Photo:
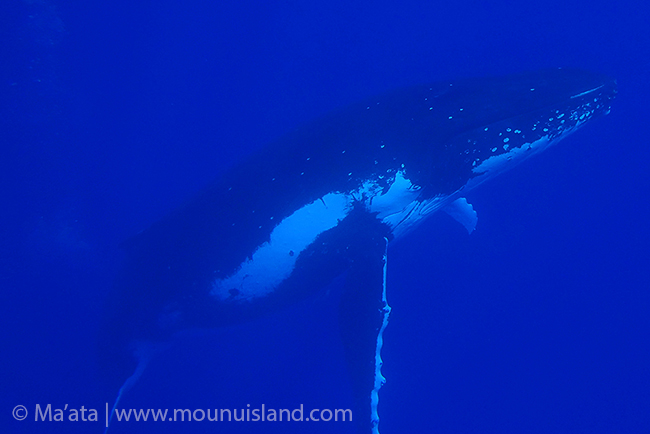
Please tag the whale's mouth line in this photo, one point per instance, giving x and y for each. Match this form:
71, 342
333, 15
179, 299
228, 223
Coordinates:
588, 91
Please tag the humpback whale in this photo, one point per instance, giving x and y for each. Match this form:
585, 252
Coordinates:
327, 199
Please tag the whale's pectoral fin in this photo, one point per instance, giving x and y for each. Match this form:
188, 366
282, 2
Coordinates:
363, 315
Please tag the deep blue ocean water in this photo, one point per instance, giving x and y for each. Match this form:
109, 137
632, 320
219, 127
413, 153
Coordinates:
112, 114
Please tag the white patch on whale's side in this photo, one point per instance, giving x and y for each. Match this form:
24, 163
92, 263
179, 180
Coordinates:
498, 163
401, 206
274, 260
556, 128
397, 204
391, 204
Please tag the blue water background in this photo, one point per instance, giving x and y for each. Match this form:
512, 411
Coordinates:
112, 114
